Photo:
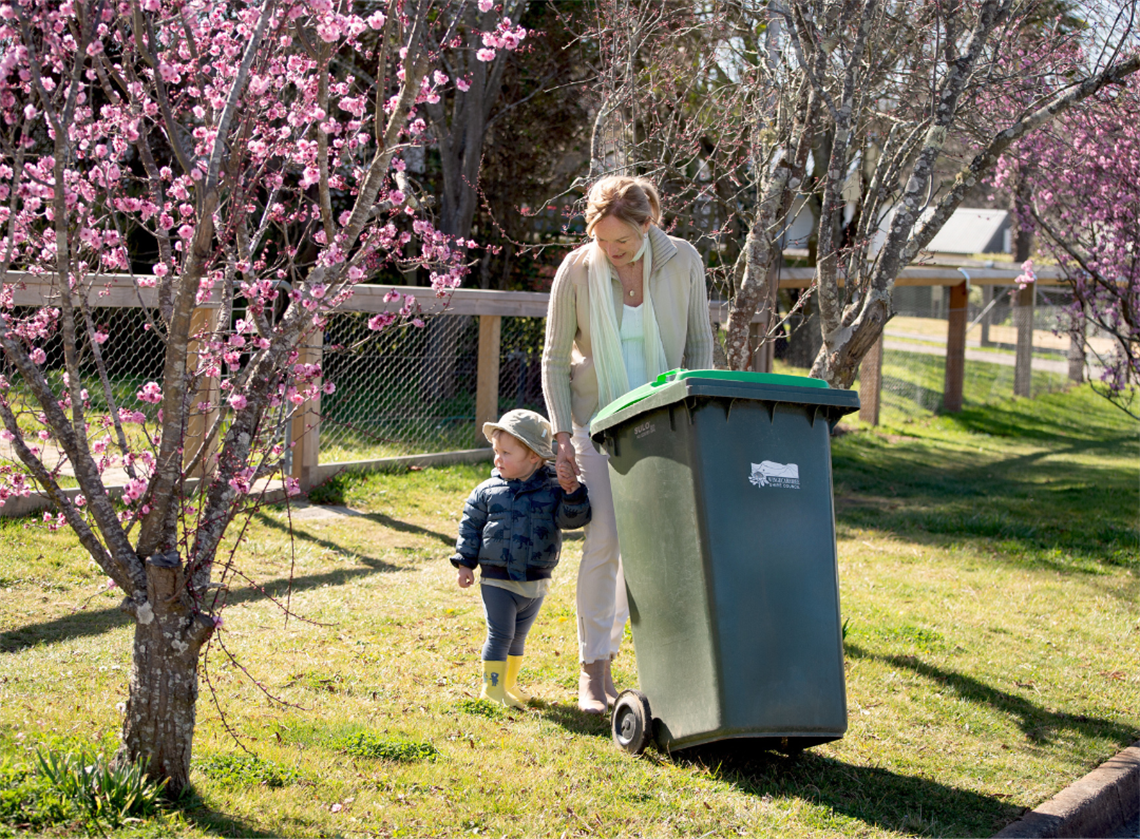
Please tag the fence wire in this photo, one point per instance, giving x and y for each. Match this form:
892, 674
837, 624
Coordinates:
914, 359
412, 390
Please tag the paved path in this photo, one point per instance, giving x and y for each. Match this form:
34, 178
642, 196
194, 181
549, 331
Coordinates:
931, 345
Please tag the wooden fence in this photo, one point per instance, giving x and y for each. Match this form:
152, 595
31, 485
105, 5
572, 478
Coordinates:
492, 306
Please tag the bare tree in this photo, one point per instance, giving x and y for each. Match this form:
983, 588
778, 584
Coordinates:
858, 102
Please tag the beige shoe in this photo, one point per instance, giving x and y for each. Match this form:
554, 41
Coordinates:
608, 684
591, 687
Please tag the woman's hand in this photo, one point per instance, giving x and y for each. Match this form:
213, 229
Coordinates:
565, 455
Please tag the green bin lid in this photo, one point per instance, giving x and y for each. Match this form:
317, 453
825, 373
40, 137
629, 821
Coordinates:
675, 385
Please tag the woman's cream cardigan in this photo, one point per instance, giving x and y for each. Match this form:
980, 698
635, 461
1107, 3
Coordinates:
680, 303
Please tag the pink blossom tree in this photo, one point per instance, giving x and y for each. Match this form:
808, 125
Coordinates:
256, 146
1083, 179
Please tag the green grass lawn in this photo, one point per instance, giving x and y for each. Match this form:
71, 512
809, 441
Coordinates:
989, 570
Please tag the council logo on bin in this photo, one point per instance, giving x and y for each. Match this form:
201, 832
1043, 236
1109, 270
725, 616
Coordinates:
768, 473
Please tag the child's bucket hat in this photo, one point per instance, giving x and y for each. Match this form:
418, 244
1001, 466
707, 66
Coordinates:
531, 429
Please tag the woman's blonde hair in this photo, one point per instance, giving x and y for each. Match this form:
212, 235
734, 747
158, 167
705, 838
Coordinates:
632, 200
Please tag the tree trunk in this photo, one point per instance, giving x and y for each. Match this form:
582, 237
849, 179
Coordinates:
158, 729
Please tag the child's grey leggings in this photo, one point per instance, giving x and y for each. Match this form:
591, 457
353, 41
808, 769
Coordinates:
509, 618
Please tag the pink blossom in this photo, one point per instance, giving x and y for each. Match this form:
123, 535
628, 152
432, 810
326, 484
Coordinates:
463, 84
485, 55
238, 402
486, 5
38, 356
151, 392
329, 388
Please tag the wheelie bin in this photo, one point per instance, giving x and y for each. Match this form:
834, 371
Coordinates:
723, 495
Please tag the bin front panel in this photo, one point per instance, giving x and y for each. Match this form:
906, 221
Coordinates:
665, 574
764, 473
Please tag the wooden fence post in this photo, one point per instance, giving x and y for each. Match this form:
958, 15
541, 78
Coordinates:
871, 382
1023, 359
1077, 352
956, 348
987, 298
203, 322
305, 429
487, 378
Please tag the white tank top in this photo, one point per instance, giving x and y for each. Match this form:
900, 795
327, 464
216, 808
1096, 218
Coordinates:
633, 345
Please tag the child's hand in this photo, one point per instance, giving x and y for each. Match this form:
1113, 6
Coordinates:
566, 477
466, 576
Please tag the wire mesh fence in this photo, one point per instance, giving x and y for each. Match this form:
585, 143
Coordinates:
412, 390
914, 358
408, 390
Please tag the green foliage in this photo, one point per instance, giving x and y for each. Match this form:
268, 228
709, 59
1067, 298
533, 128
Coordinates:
482, 708
330, 491
246, 770
28, 800
379, 747
105, 795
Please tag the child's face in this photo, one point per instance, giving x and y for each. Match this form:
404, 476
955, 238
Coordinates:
513, 459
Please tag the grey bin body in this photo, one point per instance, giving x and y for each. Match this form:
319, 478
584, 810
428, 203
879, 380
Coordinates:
730, 556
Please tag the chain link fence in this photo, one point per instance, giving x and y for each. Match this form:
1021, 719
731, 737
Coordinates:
412, 390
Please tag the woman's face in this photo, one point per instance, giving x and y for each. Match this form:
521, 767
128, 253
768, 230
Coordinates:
620, 240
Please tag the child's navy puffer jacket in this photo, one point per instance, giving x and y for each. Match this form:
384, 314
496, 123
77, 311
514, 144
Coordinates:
512, 529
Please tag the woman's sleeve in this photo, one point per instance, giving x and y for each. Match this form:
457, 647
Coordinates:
561, 327
698, 336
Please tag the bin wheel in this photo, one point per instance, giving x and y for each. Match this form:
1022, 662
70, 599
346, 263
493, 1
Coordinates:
632, 722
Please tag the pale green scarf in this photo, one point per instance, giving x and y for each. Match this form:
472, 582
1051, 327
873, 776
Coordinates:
604, 335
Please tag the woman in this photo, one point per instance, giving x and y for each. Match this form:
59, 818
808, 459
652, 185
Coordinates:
624, 308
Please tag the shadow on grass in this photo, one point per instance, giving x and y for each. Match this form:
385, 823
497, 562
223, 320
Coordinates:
377, 518
1036, 723
568, 717
87, 623
1063, 516
214, 823
902, 803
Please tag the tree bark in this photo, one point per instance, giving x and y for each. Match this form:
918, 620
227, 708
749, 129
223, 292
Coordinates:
158, 728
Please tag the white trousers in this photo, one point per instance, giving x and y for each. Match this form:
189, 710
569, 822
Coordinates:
602, 605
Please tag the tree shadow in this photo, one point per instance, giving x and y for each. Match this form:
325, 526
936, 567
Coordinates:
377, 518
894, 485
905, 804
197, 812
1036, 723
84, 624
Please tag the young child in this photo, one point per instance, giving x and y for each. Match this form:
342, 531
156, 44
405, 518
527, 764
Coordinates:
511, 530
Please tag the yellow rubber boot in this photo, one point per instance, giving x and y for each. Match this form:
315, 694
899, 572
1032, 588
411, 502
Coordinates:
514, 664
494, 685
